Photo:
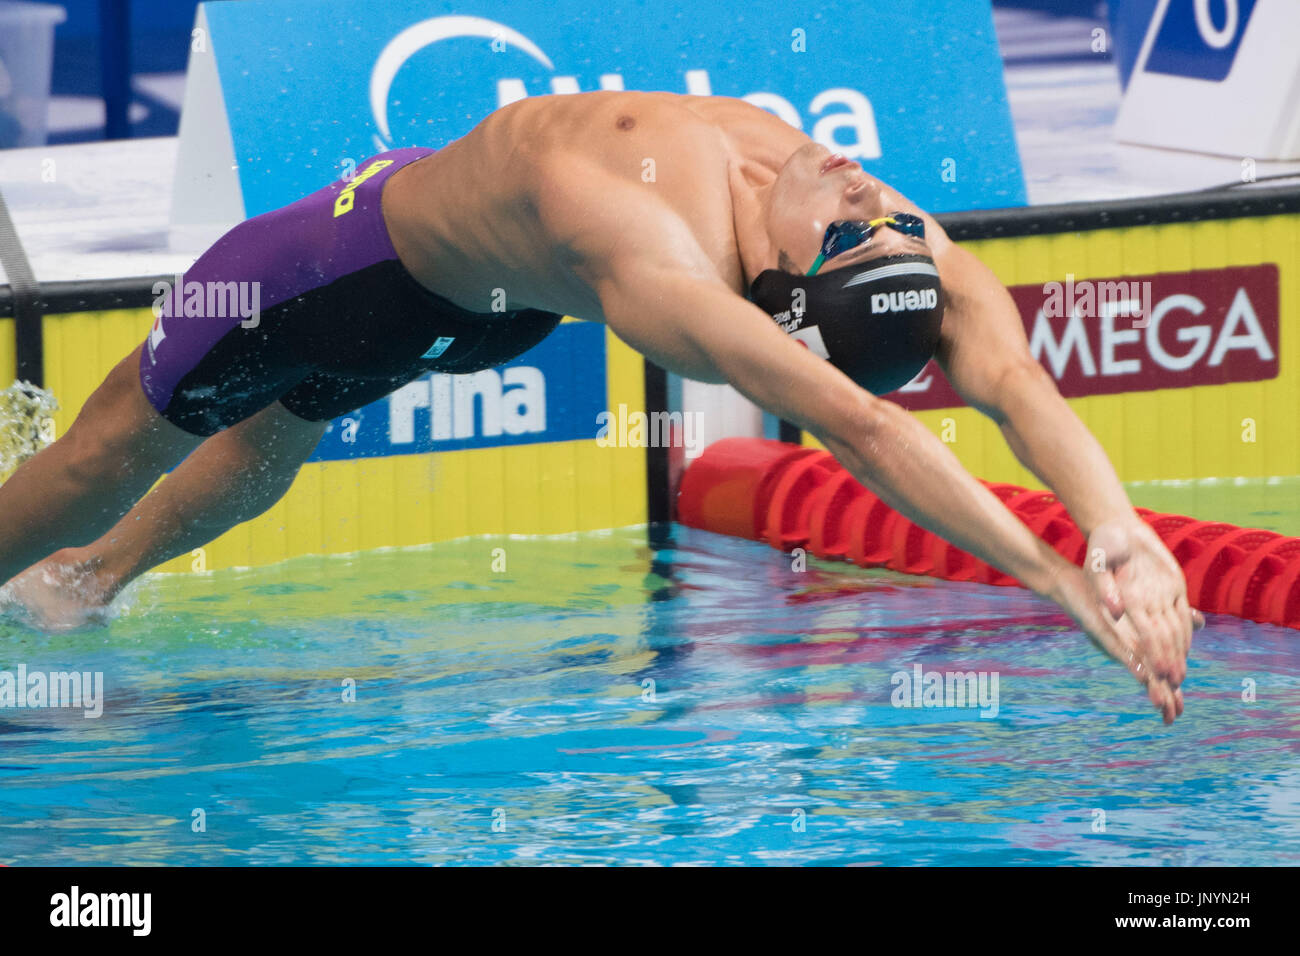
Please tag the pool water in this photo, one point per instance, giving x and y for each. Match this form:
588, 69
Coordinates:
1269, 503
599, 701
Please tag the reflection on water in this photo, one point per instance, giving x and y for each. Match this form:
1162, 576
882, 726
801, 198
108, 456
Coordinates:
602, 702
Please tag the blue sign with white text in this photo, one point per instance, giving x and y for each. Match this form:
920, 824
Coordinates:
553, 392
1195, 40
911, 88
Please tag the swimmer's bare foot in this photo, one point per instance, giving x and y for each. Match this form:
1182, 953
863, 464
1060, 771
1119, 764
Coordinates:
65, 592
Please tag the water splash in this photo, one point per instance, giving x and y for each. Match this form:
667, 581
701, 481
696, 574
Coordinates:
26, 424
58, 598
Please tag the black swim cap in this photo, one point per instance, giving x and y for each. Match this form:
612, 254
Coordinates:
878, 323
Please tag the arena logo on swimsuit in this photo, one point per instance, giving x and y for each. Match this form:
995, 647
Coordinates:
347, 197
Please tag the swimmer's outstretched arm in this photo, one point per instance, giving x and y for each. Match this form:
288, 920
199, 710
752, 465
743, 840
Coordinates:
694, 322
986, 357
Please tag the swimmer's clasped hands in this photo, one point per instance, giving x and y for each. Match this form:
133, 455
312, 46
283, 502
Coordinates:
1130, 598
1144, 589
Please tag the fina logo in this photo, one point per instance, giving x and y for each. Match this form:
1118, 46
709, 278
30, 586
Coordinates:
858, 119
488, 404
1192, 43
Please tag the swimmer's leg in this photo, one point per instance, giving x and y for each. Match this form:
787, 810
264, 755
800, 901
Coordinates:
77, 488
234, 476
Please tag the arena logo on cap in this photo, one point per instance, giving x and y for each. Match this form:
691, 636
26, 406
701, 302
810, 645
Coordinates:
1206, 327
909, 301
858, 117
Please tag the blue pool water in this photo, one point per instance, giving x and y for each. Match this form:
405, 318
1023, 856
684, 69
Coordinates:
601, 702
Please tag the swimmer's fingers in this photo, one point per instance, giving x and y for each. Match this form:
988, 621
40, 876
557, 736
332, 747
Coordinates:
1165, 697
1116, 637
1119, 639
1191, 621
1077, 596
1183, 622
1197, 620
1160, 637
1108, 591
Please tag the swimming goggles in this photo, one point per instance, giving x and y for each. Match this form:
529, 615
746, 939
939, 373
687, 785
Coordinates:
844, 234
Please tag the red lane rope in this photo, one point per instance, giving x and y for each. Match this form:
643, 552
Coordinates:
795, 497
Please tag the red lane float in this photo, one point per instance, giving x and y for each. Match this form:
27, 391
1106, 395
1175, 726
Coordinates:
795, 497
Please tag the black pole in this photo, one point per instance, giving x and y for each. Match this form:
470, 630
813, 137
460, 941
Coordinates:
658, 505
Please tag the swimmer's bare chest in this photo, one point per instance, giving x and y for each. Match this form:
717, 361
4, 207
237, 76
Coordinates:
477, 222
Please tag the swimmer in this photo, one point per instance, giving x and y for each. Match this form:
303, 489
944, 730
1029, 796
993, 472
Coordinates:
712, 237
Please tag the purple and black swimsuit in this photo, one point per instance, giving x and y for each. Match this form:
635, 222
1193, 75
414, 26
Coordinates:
340, 323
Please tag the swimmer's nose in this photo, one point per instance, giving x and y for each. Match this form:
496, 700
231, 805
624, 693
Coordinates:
863, 193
